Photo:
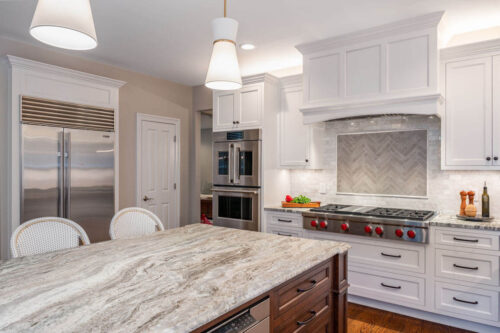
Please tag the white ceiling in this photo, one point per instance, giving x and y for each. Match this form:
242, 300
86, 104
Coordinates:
172, 38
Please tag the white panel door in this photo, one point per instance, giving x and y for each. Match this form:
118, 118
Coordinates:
249, 111
158, 163
469, 113
224, 110
294, 136
496, 110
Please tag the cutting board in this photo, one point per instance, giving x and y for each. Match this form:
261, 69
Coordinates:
312, 204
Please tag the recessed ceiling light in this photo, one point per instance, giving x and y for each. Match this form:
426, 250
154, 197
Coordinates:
247, 46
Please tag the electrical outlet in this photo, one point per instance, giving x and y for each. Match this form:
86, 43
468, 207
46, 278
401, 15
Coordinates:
322, 188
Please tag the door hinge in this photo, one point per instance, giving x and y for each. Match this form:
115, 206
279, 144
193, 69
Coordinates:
175, 138
175, 186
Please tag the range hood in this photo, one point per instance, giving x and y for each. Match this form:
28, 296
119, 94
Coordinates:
389, 69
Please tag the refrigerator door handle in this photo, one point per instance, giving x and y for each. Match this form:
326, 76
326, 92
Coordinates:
67, 175
60, 175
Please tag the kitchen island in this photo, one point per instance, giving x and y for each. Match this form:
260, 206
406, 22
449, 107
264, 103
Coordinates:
180, 280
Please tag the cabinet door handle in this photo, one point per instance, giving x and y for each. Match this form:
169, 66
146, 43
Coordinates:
313, 284
390, 255
468, 302
287, 221
488, 158
305, 322
388, 286
466, 240
465, 267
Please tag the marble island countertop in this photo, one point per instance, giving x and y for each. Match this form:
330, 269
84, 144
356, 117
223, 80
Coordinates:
172, 281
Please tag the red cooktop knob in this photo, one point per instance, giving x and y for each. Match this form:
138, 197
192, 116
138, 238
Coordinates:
344, 226
314, 223
368, 229
411, 233
379, 230
399, 233
323, 224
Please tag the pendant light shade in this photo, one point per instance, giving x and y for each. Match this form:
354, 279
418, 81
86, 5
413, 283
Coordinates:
67, 24
224, 70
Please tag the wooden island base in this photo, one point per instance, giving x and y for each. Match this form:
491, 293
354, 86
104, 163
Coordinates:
314, 301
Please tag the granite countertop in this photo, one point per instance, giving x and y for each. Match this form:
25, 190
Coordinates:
280, 209
448, 220
172, 281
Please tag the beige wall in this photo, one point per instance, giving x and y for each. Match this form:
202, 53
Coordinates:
142, 93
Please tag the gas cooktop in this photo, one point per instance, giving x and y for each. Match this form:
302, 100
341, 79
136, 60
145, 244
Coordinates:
378, 222
381, 212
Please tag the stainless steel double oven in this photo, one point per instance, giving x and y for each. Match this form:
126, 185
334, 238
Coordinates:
237, 179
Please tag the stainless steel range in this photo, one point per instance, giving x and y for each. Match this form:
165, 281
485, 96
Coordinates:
376, 222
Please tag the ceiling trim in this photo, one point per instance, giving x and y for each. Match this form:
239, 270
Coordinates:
264, 77
467, 50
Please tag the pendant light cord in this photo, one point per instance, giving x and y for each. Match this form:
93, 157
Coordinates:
225, 6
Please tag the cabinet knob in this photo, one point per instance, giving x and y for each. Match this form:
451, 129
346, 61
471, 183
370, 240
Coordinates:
237, 122
495, 158
234, 122
488, 158
307, 160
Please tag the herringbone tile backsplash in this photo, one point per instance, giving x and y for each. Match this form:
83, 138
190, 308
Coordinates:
393, 163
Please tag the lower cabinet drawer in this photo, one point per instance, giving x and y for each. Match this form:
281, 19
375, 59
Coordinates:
464, 266
290, 220
310, 315
281, 231
299, 290
398, 289
464, 302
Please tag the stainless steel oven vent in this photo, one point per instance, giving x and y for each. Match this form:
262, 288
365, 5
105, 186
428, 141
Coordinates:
39, 111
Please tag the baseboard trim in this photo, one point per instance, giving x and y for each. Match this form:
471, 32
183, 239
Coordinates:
434, 317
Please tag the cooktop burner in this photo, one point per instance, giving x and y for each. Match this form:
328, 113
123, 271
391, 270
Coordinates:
392, 213
328, 208
396, 213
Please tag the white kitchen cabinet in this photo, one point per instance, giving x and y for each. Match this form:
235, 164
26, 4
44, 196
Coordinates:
470, 128
468, 113
239, 109
300, 145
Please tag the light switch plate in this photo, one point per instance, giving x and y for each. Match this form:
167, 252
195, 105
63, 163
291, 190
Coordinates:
322, 188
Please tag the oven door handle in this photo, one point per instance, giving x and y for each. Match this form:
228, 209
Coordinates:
230, 166
236, 165
234, 191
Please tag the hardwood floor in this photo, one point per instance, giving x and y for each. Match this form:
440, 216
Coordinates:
362, 319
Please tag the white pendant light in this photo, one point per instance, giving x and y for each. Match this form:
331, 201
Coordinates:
224, 70
67, 24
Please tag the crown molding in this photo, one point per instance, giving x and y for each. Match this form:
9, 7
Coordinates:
257, 78
21, 63
291, 81
466, 50
404, 26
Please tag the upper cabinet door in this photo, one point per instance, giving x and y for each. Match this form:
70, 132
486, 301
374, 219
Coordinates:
496, 110
294, 136
250, 104
224, 110
468, 114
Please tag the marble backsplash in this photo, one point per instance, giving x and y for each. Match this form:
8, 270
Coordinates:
443, 187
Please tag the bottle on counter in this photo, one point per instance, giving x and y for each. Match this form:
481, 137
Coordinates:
485, 201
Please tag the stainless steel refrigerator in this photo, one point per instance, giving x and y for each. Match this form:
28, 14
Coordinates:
68, 173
